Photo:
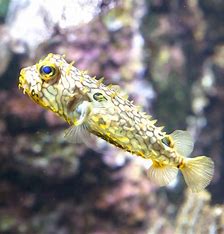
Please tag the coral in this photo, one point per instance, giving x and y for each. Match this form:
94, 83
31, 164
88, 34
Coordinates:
197, 215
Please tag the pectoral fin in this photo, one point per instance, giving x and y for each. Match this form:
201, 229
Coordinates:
78, 134
162, 174
83, 110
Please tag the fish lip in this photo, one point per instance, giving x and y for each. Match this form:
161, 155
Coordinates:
23, 85
27, 89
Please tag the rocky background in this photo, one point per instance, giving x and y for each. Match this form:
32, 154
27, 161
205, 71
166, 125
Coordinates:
169, 57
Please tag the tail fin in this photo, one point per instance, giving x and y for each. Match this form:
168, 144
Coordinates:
198, 172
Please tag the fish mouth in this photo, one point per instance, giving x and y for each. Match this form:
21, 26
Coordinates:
26, 88
23, 85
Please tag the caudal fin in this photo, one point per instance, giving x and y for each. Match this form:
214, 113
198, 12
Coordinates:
198, 172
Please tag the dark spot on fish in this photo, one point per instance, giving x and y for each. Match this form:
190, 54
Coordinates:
32, 92
99, 97
101, 121
166, 141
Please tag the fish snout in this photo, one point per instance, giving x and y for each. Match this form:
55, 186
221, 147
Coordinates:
23, 84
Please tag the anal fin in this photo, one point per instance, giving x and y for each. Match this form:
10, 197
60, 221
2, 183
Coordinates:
162, 174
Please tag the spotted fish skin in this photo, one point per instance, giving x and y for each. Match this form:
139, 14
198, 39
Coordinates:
124, 126
60, 87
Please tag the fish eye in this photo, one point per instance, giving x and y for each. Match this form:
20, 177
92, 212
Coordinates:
48, 72
167, 141
99, 97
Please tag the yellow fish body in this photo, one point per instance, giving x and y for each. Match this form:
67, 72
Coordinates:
91, 107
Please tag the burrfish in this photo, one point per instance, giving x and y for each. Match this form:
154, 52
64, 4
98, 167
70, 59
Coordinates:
91, 107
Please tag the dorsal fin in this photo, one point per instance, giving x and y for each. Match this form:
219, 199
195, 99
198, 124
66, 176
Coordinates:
183, 142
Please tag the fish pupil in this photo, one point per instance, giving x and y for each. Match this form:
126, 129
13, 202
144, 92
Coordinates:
47, 69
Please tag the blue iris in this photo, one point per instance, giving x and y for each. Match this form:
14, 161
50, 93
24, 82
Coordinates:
47, 69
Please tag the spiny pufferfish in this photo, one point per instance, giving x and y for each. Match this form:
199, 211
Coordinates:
89, 106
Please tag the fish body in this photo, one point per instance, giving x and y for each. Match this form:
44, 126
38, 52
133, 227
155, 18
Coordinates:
89, 106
